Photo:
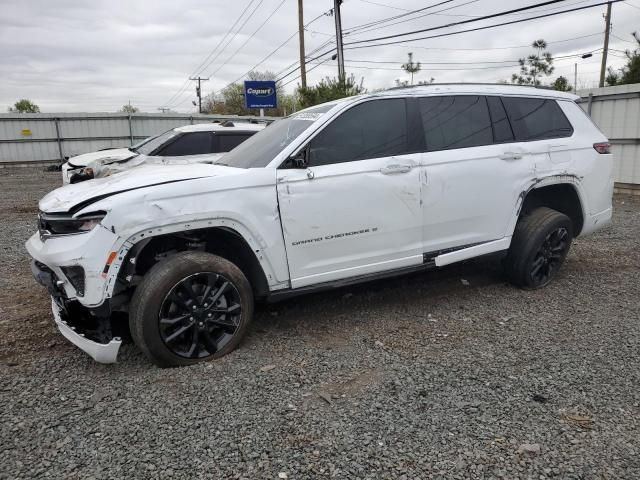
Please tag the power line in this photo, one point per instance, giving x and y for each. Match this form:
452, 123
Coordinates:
439, 12
360, 31
310, 70
459, 32
273, 52
511, 47
250, 37
430, 63
461, 22
197, 70
513, 64
235, 34
474, 29
459, 14
385, 20
622, 39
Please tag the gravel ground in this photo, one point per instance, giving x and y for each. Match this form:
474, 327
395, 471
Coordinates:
425, 376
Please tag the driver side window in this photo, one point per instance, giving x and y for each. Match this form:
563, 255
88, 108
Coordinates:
373, 129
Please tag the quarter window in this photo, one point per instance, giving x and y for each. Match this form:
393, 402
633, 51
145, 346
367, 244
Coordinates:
373, 129
536, 119
455, 122
195, 143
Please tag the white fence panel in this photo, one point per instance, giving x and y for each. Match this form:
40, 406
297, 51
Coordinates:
616, 111
39, 137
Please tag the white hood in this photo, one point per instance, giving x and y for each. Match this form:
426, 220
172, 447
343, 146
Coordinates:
65, 198
106, 156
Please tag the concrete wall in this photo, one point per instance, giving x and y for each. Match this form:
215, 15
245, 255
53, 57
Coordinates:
616, 111
43, 137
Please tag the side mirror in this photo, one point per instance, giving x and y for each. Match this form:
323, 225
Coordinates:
300, 160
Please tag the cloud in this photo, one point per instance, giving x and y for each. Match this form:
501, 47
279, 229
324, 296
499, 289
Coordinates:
74, 55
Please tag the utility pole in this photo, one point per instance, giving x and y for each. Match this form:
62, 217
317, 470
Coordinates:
199, 91
303, 65
603, 67
336, 16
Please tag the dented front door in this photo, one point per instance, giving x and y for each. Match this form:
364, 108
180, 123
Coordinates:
344, 218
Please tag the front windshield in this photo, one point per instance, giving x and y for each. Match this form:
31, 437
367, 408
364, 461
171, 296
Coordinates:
148, 147
263, 147
136, 146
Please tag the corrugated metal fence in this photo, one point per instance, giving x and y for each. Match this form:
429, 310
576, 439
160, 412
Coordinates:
42, 137
616, 110
51, 137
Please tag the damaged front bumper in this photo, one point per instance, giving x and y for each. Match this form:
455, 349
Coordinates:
79, 325
100, 352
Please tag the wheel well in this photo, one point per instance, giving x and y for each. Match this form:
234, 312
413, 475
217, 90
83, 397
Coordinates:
220, 241
562, 197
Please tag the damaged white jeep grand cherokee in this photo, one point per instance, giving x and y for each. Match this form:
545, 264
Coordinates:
356, 189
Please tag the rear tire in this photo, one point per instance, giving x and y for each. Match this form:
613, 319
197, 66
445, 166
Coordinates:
538, 248
190, 308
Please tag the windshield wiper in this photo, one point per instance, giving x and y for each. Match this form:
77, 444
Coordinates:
131, 149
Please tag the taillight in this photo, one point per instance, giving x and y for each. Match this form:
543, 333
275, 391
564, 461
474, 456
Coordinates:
604, 147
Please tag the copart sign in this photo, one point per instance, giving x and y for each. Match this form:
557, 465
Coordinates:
260, 94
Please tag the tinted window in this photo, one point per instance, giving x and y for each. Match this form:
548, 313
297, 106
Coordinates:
455, 122
265, 145
195, 143
501, 128
536, 118
227, 141
370, 130
153, 144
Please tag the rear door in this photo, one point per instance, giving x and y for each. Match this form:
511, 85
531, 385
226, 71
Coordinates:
356, 209
474, 171
540, 126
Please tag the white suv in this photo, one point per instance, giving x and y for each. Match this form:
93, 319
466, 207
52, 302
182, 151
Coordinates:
360, 188
200, 143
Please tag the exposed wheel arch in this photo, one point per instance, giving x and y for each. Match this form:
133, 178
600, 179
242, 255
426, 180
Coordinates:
562, 197
221, 241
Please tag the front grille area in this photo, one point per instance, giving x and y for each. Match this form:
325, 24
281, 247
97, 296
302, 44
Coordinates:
47, 278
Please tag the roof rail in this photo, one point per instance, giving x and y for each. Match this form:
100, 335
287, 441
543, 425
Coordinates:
469, 83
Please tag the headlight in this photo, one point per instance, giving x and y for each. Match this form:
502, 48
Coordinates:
64, 224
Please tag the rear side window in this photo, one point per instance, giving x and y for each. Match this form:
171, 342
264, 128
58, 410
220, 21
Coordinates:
455, 122
373, 129
536, 119
501, 128
194, 143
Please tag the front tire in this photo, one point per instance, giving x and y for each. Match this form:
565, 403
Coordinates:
192, 307
539, 246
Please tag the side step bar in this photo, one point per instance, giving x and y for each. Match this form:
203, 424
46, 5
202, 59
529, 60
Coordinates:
471, 252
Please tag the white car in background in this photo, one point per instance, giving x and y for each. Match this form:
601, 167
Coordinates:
189, 144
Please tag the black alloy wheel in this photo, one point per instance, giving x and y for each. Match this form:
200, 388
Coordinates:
191, 307
200, 315
550, 256
539, 246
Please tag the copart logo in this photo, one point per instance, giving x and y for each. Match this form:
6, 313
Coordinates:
260, 92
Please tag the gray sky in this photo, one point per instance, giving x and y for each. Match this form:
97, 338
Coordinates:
81, 55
